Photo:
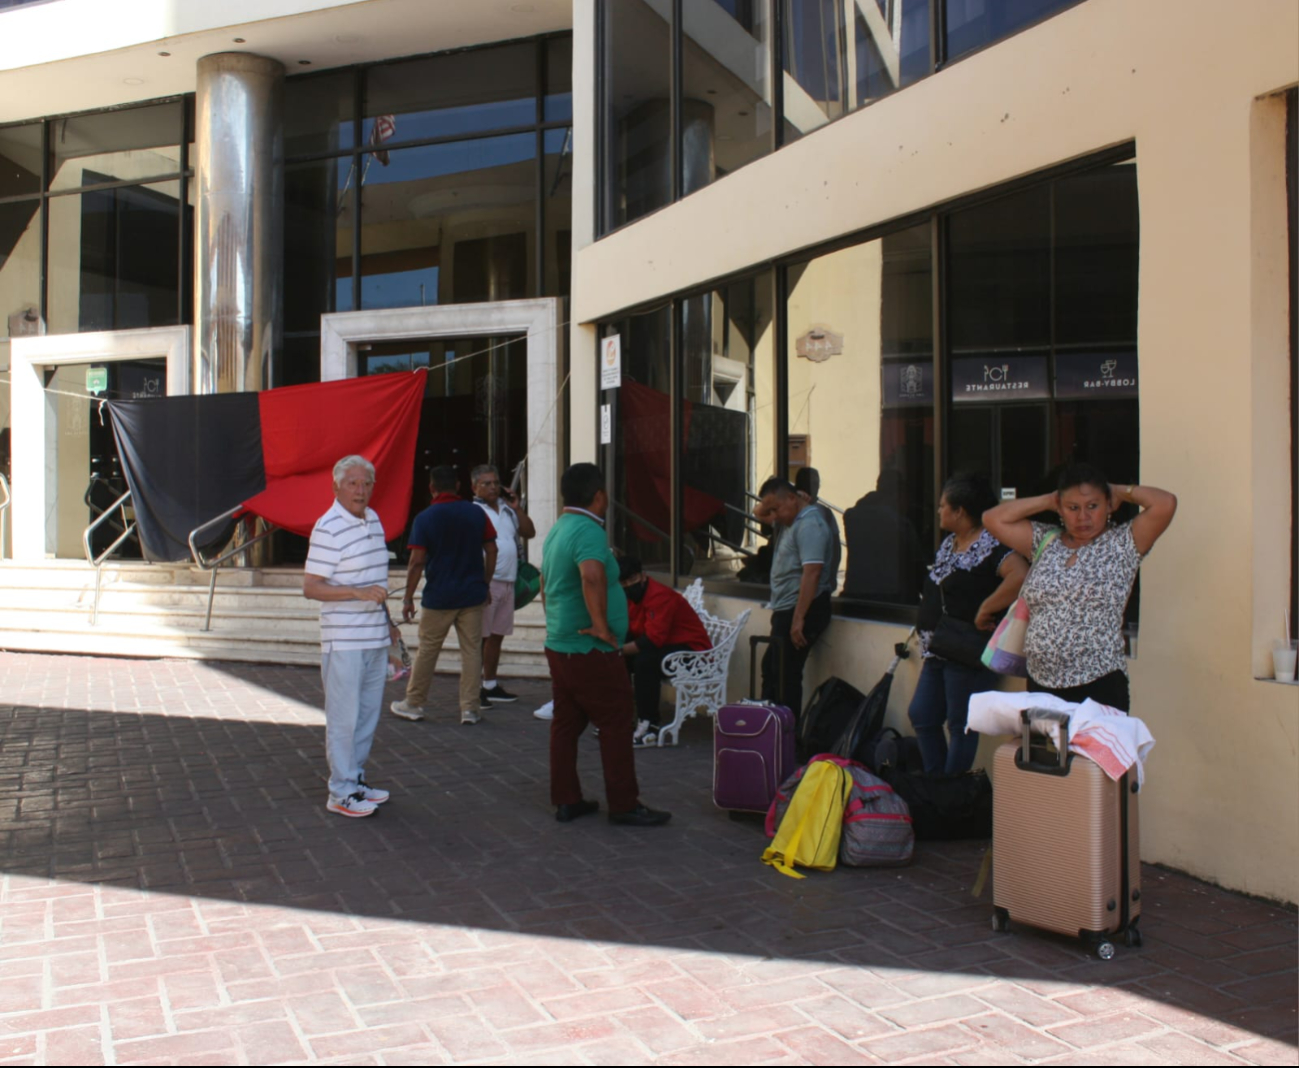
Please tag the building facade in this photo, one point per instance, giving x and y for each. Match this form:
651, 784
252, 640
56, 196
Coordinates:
886, 239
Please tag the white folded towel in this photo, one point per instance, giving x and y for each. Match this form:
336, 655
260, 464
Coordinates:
1114, 740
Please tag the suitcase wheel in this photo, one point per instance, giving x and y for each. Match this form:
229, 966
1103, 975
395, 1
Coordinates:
1132, 937
1105, 950
1000, 920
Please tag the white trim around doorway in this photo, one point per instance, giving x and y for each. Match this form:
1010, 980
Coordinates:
537, 320
34, 435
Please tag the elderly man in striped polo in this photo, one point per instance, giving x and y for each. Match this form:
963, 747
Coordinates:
347, 570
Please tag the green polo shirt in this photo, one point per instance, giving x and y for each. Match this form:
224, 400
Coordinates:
575, 538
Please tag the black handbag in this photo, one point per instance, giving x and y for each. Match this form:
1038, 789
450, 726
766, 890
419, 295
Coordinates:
943, 807
958, 640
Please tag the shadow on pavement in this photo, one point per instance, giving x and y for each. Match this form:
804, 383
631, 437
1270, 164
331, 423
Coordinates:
209, 782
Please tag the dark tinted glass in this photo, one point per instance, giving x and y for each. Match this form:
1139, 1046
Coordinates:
466, 92
815, 91
115, 259
999, 277
557, 200
637, 173
726, 110
20, 160
1096, 257
559, 79
974, 23
449, 223
112, 145
317, 241
20, 258
640, 513
318, 113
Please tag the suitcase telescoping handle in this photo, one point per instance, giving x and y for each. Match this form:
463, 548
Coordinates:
1029, 718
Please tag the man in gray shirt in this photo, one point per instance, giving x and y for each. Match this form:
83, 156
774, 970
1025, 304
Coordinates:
801, 583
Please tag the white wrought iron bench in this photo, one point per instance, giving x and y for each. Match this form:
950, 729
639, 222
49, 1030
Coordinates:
699, 678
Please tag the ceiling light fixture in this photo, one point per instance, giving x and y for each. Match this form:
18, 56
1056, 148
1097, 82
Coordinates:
132, 81
239, 40
164, 53
304, 63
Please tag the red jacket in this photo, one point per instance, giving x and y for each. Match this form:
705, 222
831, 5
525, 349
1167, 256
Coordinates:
664, 618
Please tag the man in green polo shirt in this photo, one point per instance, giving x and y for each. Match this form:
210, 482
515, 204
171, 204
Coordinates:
586, 623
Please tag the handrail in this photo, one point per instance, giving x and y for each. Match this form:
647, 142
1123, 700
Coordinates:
204, 564
97, 562
4, 508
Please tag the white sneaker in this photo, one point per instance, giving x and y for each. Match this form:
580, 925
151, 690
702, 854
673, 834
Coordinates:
355, 806
405, 711
546, 711
372, 793
469, 718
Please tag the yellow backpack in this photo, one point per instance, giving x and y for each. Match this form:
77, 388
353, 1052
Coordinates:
809, 832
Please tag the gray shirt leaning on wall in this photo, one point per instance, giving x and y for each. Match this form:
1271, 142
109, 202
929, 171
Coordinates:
807, 541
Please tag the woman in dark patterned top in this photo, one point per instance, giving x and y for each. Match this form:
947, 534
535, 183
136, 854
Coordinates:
1078, 588
973, 579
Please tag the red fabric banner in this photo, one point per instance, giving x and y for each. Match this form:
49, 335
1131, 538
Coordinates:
307, 429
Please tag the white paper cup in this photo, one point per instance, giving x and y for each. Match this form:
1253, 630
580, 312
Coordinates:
1284, 655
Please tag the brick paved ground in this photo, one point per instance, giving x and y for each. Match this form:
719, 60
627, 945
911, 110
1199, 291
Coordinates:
175, 892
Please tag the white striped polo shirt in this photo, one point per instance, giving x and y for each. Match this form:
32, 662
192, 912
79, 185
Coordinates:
349, 551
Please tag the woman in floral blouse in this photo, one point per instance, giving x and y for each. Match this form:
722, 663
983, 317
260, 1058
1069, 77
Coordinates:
972, 579
1078, 588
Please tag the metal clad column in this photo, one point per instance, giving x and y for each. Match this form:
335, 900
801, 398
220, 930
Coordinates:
239, 241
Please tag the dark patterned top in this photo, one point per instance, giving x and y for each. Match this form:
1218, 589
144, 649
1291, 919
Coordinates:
966, 578
1075, 622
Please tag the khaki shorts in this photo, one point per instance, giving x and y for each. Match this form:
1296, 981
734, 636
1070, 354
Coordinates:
498, 617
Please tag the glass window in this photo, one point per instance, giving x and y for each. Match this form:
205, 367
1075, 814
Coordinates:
114, 258
637, 112
860, 356
20, 160
814, 48
972, 24
110, 146
726, 107
20, 260
728, 427
449, 223
449, 95
317, 241
559, 79
318, 113
641, 455
557, 199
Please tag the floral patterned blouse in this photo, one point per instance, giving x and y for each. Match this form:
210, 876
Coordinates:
1075, 622
978, 563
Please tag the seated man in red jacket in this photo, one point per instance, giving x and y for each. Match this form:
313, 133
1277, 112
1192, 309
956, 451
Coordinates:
660, 622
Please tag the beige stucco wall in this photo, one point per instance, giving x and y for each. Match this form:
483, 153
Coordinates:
1187, 81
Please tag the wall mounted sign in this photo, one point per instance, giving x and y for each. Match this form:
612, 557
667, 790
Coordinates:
611, 362
819, 343
999, 378
606, 425
1095, 375
96, 379
907, 383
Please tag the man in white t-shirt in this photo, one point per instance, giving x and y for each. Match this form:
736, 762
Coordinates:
347, 570
512, 524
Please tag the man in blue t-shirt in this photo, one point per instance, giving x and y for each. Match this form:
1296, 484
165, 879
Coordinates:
802, 580
453, 543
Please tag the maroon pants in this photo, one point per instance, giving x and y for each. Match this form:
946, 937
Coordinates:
592, 688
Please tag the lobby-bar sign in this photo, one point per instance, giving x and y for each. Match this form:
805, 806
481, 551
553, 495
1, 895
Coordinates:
999, 378
1095, 375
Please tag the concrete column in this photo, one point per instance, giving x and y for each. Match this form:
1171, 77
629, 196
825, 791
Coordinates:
239, 240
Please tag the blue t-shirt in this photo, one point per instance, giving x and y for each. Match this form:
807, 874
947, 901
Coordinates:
452, 531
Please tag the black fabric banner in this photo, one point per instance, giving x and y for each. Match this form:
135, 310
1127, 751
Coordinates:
168, 447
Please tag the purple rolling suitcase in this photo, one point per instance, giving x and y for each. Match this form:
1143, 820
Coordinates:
753, 749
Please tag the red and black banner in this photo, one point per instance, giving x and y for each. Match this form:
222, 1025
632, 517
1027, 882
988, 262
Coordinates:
189, 459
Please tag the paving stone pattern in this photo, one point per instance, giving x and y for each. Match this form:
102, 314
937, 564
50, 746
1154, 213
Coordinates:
174, 892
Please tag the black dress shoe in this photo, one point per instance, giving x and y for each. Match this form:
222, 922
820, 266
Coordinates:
568, 813
640, 816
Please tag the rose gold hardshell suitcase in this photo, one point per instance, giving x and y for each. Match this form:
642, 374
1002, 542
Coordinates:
1065, 842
